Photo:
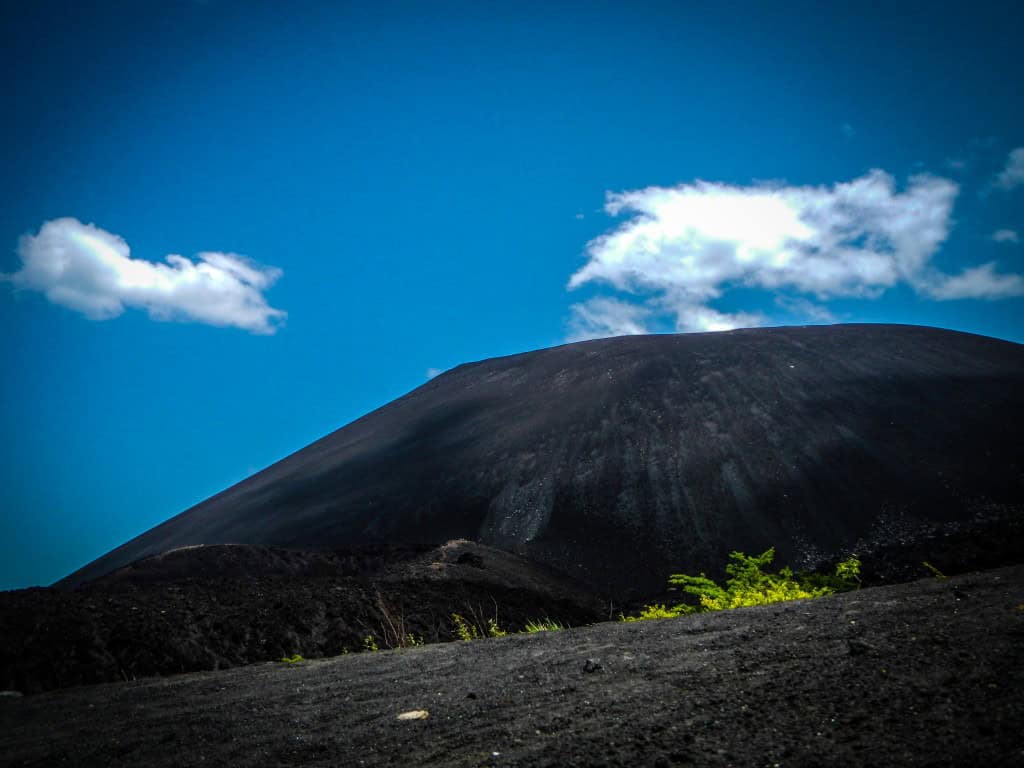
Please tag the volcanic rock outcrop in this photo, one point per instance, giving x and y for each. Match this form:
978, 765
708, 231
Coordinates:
619, 460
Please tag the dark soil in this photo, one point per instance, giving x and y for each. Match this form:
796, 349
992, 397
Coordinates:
929, 673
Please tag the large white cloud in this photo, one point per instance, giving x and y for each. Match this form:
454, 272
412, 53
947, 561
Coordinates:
684, 247
90, 270
1013, 174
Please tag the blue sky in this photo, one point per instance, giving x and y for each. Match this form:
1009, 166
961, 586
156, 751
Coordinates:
355, 196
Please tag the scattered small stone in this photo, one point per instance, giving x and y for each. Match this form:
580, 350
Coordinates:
414, 714
11, 694
471, 695
592, 665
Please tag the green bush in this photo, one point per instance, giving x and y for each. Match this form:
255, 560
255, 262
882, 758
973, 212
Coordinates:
750, 584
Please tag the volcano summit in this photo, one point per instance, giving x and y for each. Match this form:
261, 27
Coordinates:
619, 460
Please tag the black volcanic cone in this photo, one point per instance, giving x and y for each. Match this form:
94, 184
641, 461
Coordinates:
619, 460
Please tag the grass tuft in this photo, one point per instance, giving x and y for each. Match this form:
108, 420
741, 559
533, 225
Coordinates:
543, 625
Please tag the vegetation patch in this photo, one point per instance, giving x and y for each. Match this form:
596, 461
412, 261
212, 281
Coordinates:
750, 584
464, 629
544, 625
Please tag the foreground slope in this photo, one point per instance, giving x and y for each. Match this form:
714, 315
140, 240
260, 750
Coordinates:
618, 460
923, 674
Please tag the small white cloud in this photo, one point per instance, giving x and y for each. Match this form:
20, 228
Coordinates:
977, 283
433, 373
601, 317
1013, 174
1006, 236
580, 217
90, 270
699, 318
804, 310
848, 130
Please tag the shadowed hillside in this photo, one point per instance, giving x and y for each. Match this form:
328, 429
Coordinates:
204, 608
619, 460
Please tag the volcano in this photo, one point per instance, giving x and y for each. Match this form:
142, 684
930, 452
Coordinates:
618, 461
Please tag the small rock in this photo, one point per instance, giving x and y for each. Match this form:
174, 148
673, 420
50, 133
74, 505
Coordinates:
471, 695
592, 665
11, 694
414, 714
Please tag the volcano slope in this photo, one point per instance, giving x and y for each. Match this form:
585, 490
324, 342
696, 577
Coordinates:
921, 674
621, 460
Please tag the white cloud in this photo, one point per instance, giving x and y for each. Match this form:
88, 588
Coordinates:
1005, 236
1013, 174
600, 317
848, 130
692, 316
805, 310
683, 247
433, 373
978, 283
90, 270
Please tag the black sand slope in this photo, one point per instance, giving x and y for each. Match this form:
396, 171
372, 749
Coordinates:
922, 674
620, 460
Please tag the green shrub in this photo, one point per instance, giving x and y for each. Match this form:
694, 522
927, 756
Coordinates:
750, 584
370, 643
848, 570
464, 629
494, 630
292, 659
